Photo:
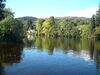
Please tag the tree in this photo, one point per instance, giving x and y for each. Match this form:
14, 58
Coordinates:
98, 17
75, 21
75, 32
83, 30
11, 29
81, 22
52, 20
29, 24
97, 31
7, 12
62, 26
39, 24
54, 31
2, 6
67, 29
92, 25
48, 25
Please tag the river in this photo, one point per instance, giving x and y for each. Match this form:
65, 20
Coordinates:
50, 56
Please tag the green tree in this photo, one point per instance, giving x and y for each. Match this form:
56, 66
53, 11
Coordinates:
67, 29
97, 31
2, 6
7, 12
81, 22
52, 20
83, 30
75, 21
29, 23
48, 25
98, 17
39, 24
92, 25
11, 29
62, 26
75, 32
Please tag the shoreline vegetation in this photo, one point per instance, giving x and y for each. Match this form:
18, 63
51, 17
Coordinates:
12, 29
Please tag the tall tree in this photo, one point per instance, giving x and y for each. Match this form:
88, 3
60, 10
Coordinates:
39, 24
92, 24
29, 23
52, 20
2, 6
98, 17
48, 25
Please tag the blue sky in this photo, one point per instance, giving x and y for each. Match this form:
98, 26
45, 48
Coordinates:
46, 8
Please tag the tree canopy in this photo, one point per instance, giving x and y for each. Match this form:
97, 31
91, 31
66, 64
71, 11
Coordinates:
2, 6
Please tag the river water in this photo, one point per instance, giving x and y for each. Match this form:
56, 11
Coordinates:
50, 56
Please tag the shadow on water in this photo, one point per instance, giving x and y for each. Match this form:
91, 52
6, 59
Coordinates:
9, 54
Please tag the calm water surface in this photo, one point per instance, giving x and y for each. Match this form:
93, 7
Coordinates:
50, 56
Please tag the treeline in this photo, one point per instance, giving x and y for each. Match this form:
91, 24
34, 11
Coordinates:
11, 29
66, 28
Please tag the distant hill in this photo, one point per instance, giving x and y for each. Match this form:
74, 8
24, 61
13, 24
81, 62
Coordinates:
24, 19
73, 17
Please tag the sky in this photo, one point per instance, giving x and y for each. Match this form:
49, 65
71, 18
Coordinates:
56, 8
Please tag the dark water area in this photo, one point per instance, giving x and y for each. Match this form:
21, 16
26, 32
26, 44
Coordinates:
50, 56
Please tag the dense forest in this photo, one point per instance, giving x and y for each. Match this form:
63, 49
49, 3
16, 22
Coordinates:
12, 29
77, 28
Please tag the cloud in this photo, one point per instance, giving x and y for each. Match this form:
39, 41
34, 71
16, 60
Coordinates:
88, 12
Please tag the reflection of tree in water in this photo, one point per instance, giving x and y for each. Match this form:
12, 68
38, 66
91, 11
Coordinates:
97, 54
51, 44
2, 70
94, 50
97, 59
29, 43
9, 54
45, 43
92, 47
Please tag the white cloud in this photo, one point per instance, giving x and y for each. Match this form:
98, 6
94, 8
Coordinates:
88, 12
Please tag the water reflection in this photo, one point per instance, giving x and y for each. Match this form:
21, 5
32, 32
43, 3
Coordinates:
2, 70
9, 54
85, 49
